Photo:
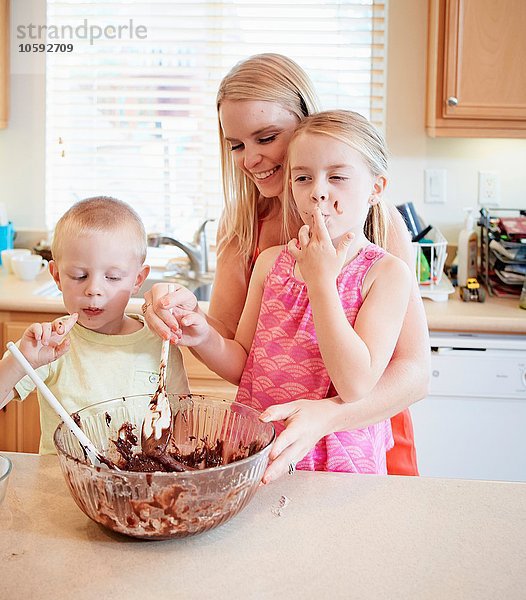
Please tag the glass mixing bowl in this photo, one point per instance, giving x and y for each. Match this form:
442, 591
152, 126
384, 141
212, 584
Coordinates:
166, 505
5, 470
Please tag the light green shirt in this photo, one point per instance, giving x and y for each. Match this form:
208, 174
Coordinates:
100, 367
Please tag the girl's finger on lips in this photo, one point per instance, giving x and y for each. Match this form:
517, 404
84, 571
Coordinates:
303, 236
321, 227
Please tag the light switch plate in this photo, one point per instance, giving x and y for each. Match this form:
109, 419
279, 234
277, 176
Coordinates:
435, 181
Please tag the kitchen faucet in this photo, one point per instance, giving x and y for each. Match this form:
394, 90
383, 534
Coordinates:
197, 250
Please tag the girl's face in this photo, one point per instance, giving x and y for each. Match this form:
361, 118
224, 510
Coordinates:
258, 133
328, 173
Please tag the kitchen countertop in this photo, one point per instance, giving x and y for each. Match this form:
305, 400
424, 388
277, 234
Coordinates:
496, 315
341, 536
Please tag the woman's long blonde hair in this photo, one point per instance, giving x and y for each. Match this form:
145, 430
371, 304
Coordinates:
269, 78
352, 129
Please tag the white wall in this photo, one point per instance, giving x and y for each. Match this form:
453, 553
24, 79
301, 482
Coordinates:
412, 150
22, 144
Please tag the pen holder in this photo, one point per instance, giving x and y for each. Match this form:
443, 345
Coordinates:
7, 237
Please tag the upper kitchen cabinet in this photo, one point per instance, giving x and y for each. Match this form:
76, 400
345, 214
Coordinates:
4, 63
476, 71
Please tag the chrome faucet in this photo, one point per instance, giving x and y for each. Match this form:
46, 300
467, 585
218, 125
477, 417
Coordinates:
197, 250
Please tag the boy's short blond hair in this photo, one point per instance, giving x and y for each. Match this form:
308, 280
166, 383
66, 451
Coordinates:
100, 213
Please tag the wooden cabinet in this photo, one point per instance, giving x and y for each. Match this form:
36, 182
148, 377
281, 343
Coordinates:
204, 381
476, 68
20, 421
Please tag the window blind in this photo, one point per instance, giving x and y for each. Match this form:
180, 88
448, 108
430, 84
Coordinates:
136, 118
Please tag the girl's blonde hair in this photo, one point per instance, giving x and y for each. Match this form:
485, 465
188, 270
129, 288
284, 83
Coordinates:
360, 134
100, 213
263, 77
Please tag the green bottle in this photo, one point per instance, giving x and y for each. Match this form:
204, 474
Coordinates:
424, 273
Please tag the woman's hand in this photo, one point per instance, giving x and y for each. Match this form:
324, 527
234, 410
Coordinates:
314, 251
163, 311
306, 422
42, 343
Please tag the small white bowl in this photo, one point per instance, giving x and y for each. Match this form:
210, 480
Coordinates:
5, 470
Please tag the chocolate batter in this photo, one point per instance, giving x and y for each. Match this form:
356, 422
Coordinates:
204, 456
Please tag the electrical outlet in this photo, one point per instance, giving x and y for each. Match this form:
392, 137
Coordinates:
489, 188
435, 186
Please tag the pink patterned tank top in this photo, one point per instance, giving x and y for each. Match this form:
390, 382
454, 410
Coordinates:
285, 363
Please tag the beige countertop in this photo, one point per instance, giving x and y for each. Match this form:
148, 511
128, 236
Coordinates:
341, 536
496, 315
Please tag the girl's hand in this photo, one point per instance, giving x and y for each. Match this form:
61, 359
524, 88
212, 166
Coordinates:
43, 343
317, 258
306, 422
194, 329
162, 311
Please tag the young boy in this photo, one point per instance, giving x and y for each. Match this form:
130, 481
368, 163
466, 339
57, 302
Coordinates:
99, 248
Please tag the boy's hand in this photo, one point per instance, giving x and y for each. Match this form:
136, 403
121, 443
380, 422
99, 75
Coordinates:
317, 258
43, 343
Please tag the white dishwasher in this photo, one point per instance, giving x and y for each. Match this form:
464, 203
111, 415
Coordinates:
473, 423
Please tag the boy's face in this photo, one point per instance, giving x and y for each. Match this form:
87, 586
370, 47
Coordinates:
97, 273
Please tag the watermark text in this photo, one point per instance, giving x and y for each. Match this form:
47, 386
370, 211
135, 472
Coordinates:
84, 31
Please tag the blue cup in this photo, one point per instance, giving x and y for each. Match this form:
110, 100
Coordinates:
7, 237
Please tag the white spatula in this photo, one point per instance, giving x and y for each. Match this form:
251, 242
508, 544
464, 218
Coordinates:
157, 424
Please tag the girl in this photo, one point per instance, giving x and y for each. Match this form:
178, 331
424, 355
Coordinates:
260, 103
324, 313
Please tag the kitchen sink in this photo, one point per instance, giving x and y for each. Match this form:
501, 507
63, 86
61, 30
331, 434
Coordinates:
201, 284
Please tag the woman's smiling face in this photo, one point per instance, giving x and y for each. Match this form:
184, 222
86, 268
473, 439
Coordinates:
258, 134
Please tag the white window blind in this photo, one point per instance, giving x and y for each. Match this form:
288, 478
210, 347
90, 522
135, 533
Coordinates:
136, 118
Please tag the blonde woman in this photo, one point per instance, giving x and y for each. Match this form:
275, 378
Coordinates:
260, 103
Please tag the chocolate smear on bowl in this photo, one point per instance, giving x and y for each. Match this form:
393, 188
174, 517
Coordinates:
205, 455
